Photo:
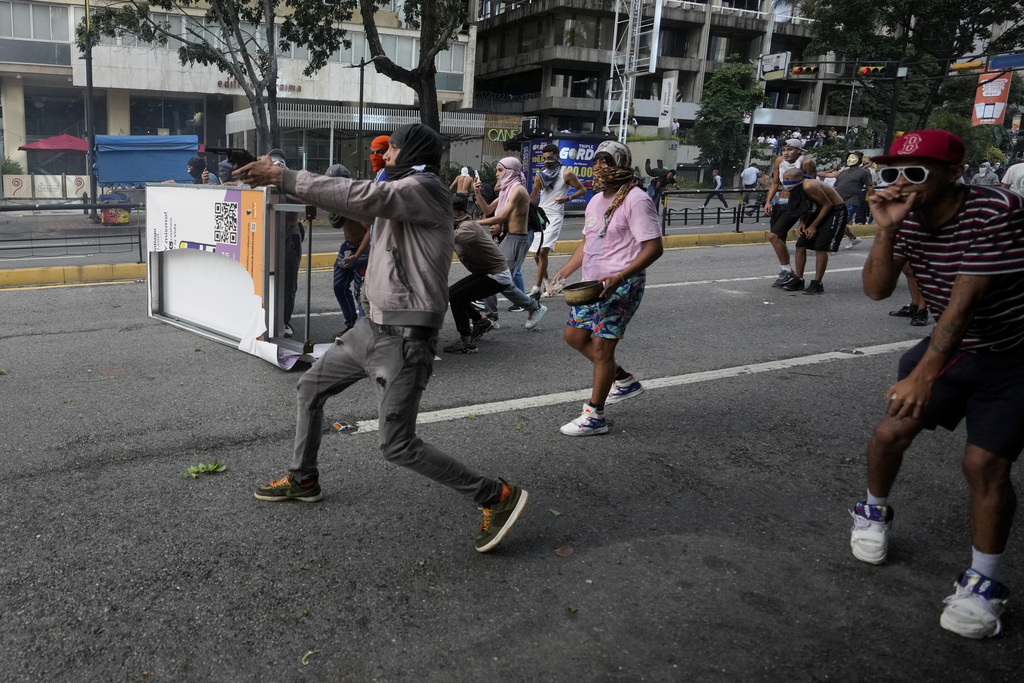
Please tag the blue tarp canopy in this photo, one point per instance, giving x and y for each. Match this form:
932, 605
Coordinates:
134, 160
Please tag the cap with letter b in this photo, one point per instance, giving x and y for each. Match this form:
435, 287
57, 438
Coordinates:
931, 145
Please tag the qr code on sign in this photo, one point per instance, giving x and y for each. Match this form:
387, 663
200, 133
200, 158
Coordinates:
225, 222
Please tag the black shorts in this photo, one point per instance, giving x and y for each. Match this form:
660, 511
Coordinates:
830, 231
986, 388
781, 222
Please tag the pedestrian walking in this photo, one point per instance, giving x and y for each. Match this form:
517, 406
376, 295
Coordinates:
621, 238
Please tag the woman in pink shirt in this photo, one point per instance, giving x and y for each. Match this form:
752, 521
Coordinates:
621, 237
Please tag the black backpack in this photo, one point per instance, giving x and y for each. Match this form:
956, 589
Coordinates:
537, 219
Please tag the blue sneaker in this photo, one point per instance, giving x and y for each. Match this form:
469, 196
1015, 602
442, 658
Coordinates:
785, 277
869, 539
623, 389
589, 423
973, 611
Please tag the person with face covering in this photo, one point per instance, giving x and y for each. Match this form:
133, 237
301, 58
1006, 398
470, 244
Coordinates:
985, 176
621, 238
378, 148
394, 346
511, 209
350, 266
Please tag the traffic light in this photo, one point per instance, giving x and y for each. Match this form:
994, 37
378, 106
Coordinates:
871, 71
967, 66
803, 70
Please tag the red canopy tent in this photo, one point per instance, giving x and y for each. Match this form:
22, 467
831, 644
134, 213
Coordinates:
60, 143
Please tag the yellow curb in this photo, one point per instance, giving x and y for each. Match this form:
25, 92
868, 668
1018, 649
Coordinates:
59, 275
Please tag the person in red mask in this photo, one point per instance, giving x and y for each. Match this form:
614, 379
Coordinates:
377, 149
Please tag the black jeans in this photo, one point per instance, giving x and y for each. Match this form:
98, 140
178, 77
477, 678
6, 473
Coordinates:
463, 293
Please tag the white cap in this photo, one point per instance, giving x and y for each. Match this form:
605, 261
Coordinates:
794, 142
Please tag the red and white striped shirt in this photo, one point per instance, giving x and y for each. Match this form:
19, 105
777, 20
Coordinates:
987, 239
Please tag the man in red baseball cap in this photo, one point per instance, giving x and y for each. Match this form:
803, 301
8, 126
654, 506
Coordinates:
965, 245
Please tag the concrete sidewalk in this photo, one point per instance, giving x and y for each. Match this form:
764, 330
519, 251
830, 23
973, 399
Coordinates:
62, 275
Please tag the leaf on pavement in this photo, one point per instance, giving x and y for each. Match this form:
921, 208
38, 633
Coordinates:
564, 551
305, 657
471, 416
554, 512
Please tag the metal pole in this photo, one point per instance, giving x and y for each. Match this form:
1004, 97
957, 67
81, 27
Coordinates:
90, 114
890, 129
362, 63
849, 112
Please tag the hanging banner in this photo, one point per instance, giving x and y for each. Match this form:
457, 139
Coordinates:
990, 101
668, 98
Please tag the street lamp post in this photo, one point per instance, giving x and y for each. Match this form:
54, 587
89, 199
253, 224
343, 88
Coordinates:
90, 114
362, 65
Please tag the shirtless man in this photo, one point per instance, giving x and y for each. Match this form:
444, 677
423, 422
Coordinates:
825, 231
550, 187
781, 220
511, 212
463, 183
353, 255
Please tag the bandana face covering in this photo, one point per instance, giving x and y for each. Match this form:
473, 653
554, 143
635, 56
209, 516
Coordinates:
420, 146
619, 177
552, 164
790, 184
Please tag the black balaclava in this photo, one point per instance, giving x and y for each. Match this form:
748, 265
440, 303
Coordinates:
420, 145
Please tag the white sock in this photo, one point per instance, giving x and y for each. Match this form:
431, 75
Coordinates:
874, 500
986, 564
788, 267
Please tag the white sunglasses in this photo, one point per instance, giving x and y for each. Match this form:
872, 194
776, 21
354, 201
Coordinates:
913, 174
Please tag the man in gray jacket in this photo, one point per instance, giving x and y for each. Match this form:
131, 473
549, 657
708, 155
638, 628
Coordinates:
407, 286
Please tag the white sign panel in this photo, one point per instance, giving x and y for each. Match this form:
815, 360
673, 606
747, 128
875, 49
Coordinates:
668, 98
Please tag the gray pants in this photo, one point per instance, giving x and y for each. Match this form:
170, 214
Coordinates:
399, 369
514, 248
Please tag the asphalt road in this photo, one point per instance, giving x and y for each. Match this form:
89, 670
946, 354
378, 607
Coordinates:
709, 530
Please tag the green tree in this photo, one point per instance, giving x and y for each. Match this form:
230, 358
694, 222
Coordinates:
719, 131
241, 38
439, 22
926, 34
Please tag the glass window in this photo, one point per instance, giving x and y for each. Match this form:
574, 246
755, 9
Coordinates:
458, 51
6, 28
586, 32
59, 24
443, 61
22, 20
403, 57
717, 49
174, 28
358, 47
300, 52
40, 22
389, 45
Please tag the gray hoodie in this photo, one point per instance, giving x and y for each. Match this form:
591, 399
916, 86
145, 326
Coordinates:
412, 244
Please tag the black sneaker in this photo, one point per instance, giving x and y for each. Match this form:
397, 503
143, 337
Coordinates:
920, 318
499, 518
515, 308
286, 489
461, 346
908, 311
795, 284
814, 288
480, 327
785, 277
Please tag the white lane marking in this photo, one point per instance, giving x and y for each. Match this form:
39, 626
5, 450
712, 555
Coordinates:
463, 412
740, 279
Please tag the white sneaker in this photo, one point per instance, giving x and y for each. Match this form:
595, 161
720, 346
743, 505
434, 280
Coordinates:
973, 611
535, 317
623, 389
534, 292
854, 242
589, 423
869, 539
288, 330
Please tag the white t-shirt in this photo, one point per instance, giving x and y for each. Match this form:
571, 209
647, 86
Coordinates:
1014, 177
749, 175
